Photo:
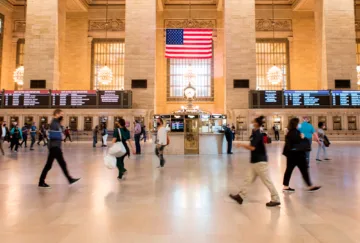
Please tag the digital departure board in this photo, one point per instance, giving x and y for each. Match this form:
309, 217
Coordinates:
73, 99
343, 98
303, 99
110, 99
23, 99
270, 99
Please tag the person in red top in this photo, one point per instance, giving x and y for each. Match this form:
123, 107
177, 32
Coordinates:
67, 134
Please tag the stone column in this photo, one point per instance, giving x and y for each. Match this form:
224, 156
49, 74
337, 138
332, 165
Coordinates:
45, 38
335, 36
240, 53
140, 56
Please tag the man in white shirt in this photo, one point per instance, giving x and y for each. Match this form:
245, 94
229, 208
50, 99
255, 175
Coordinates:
162, 140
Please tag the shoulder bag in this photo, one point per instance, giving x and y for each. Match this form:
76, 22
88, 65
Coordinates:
118, 149
326, 141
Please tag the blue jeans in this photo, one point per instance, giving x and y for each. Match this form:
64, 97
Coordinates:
308, 154
137, 143
33, 139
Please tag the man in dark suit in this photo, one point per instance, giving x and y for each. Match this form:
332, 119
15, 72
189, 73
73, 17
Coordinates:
229, 138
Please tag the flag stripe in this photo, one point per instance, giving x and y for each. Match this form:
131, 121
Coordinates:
188, 43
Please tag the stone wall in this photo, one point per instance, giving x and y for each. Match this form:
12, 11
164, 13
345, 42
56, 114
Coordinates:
76, 65
8, 63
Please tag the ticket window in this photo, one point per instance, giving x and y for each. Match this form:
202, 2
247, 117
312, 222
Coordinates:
73, 123
323, 120
29, 120
336, 123
88, 123
103, 121
352, 123
43, 120
116, 120
241, 124
14, 120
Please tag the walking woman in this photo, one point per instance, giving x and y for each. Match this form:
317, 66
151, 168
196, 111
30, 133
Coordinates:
95, 136
104, 135
16, 135
321, 135
162, 140
295, 157
122, 134
258, 167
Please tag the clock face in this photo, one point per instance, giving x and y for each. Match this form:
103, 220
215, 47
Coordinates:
189, 92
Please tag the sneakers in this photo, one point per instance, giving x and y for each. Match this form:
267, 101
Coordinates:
73, 181
289, 190
314, 188
237, 198
327, 159
318, 160
44, 185
273, 204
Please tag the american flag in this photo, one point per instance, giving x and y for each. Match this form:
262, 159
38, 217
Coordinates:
188, 43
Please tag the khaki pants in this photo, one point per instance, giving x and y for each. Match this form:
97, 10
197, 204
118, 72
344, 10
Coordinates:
260, 169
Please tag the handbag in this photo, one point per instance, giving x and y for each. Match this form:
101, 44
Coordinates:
326, 141
110, 161
118, 149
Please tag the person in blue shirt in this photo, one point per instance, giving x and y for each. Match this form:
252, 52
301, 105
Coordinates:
309, 132
33, 131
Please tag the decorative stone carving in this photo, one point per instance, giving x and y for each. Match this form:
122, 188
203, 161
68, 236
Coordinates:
190, 23
19, 26
113, 25
280, 25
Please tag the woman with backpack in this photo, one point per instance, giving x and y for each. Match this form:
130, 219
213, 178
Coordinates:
296, 146
323, 140
122, 134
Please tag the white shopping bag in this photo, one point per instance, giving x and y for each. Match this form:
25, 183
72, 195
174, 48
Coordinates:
118, 149
110, 161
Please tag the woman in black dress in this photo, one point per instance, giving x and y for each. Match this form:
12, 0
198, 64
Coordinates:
295, 157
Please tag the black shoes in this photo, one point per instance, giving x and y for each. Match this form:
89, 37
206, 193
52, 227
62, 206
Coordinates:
230, 153
73, 180
237, 198
318, 160
289, 190
314, 188
273, 204
44, 185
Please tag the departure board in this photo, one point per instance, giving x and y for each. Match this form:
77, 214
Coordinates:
270, 99
26, 99
73, 99
110, 99
343, 98
303, 99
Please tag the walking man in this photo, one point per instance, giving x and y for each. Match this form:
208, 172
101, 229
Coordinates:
67, 134
137, 131
162, 140
229, 138
24, 131
55, 152
33, 130
276, 133
309, 132
16, 135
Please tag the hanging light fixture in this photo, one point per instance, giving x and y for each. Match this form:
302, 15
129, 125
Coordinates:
18, 75
105, 74
274, 74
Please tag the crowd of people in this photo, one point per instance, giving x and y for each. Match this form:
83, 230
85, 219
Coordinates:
297, 148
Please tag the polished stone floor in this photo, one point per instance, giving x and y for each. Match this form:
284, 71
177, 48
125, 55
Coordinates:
185, 202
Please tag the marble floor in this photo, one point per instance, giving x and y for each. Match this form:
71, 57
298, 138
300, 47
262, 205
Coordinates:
185, 202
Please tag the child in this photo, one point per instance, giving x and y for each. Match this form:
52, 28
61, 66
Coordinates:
258, 167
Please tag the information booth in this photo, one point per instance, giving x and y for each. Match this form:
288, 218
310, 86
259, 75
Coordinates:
337, 123
73, 123
352, 123
88, 123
